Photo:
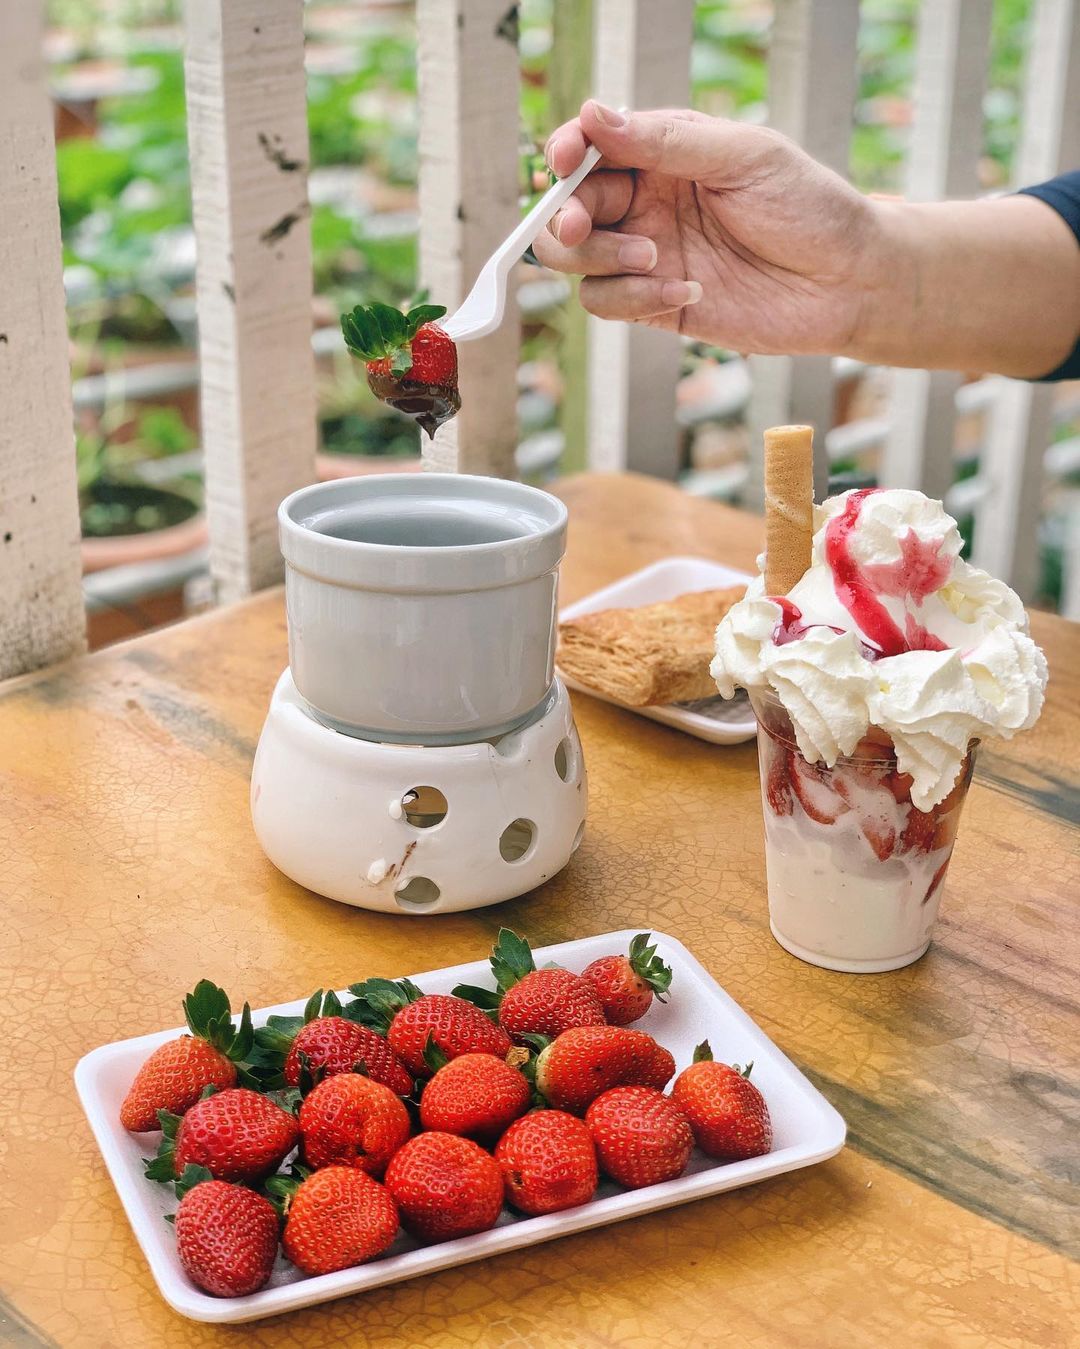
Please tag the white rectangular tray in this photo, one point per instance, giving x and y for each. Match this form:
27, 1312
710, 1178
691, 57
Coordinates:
727, 723
807, 1129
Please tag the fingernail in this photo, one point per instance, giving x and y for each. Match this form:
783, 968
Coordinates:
639, 255
556, 224
549, 150
678, 293
609, 116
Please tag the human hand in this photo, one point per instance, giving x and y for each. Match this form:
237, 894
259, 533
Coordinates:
725, 232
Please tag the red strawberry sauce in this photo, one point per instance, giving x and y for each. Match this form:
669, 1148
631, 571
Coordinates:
917, 572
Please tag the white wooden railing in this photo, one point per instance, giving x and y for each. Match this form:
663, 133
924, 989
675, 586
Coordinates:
248, 152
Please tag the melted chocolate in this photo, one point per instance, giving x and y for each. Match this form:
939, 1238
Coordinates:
427, 404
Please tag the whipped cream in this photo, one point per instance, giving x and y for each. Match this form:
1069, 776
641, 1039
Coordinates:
888, 627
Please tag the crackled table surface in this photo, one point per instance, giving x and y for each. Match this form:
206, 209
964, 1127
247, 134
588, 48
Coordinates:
128, 870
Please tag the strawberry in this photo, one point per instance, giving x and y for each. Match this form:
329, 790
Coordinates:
919, 830
641, 1136
778, 783
175, 1075
326, 1042
531, 1001
349, 1120
445, 1186
335, 1218
411, 362
548, 1162
237, 1134
625, 984
587, 1060
412, 1018
726, 1111
477, 1095
812, 784
226, 1236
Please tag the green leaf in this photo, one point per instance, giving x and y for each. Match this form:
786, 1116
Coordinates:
331, 1004
313, 1006
647, 964
511, 959
536, 1041
362, 335
205, 1006
359, 1011
243, 1037
487, 999
392, 325
421, 314
211, 1089
192, 1175
382, 999
169, 1123
401, 362
703, 1053
433, 1055
744, 1072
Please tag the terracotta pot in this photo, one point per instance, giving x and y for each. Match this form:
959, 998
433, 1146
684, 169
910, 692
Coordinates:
123, 549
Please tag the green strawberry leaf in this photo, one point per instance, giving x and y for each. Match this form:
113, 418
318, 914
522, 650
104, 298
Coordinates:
193, 1175
331, 1004
169, 1123
313, 1006
536, 1041
433, 1055
310, 1077
744, 1072
206, 1005
703, 1053
511, 959
383, 999
364, 1015
421, 314
487, 999
288, 1098
243, 1037
392, 324
162, 1166
645, 962
211, 1089
401, 362
362, 334
170, 1218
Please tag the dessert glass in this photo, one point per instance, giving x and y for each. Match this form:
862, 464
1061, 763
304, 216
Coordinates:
855, 872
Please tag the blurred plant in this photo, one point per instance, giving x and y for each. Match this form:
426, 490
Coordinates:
353, 421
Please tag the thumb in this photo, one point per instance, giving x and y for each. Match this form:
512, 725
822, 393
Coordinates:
682, 143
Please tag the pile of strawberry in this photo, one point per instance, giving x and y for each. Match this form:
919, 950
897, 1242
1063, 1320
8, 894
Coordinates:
427, 1111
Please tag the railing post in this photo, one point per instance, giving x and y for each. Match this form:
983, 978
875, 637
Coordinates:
812, 75
950, 79
642, 60
41, 604
247, 137
1020, 421
469, 203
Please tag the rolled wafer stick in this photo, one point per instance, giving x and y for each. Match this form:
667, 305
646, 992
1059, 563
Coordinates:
789, 505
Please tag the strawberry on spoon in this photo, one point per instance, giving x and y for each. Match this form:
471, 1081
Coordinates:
411, 362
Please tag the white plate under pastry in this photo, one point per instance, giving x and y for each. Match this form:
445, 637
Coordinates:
720, 721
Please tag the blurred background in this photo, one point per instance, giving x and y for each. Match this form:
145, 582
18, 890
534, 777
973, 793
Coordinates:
116, 78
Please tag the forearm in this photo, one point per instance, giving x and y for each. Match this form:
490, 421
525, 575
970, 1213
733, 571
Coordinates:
988, 286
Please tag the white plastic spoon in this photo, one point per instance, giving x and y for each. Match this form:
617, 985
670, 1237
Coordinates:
483, 308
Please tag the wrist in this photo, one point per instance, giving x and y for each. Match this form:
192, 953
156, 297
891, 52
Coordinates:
888, 278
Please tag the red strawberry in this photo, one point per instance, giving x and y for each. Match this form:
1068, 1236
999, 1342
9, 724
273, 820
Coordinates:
237, 1134
453, 1025
445, 1186
325, 1042
641, 1136
726, 1111
350, 1120
777, 782
880, 834
532, 1001
477, 1095
867, 790
226, 1238
626, 984
574, 1069
176, 1074
548, 1162
336, 1218
411, 362
919, 830
812, 784
936, 880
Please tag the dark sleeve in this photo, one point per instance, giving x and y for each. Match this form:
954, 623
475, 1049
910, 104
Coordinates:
1063, 194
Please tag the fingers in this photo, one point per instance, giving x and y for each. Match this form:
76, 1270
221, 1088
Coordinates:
565, 148
602, 199
682, 143
602, 253
632, 298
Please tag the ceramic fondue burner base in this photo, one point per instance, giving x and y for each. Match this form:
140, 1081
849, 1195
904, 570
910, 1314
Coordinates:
411, 828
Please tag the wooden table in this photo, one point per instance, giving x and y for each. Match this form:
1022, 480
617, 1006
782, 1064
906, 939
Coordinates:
129, 870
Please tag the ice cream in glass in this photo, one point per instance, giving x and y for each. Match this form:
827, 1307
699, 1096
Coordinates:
875, 674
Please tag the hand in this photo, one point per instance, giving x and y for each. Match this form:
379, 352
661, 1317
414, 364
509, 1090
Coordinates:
725, 232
